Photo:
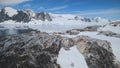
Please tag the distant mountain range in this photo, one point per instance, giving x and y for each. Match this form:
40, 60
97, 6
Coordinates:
28, 15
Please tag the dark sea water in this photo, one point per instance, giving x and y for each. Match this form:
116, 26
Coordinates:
4, 32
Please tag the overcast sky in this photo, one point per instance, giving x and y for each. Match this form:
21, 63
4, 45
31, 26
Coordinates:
109, 9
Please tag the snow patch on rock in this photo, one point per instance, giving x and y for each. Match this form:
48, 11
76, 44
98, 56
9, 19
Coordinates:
10, 11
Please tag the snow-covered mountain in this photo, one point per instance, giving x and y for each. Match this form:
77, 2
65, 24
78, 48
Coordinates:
28, 15
24, 16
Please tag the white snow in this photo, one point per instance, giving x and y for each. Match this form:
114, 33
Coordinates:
30, 12
115, 42
57, 25
60, 25
115, 29
100, 20
71, 58
10, 11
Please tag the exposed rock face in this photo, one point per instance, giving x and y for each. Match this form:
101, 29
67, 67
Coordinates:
20, 17
109, 33
3, 16
23, 16
31, 51
85, 19
43, 16
98, 53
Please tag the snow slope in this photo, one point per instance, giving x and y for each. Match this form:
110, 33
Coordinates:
71, 58
115, 29
10, 11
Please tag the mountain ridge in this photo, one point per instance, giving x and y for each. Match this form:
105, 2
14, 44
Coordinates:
28, 15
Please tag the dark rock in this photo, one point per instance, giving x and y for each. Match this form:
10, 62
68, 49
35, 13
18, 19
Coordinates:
92, 28
43, 16
109, 33
98, 53
31, 50
21, 17
3, 16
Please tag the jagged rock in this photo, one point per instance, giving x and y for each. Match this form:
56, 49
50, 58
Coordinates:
30, 12
43, 16
76, 18
31, 50
109, 33
98, 53
3, 16
21, 17
86, 20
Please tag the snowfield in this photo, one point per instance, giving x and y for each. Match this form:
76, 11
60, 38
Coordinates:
71, 58
57, 25
111, 28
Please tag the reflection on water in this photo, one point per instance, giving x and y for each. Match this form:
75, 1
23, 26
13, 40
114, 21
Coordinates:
4, 32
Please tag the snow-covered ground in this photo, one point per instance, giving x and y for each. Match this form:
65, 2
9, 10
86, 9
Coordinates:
56, 25
71, 58
115, 29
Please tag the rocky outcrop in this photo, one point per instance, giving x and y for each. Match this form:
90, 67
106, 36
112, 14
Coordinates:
31, 50
98, 53
40, 50
117, 23
86, 19
73, 32
77, 31
3, 16
43, 16
21, 17
92, 28
109, 33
